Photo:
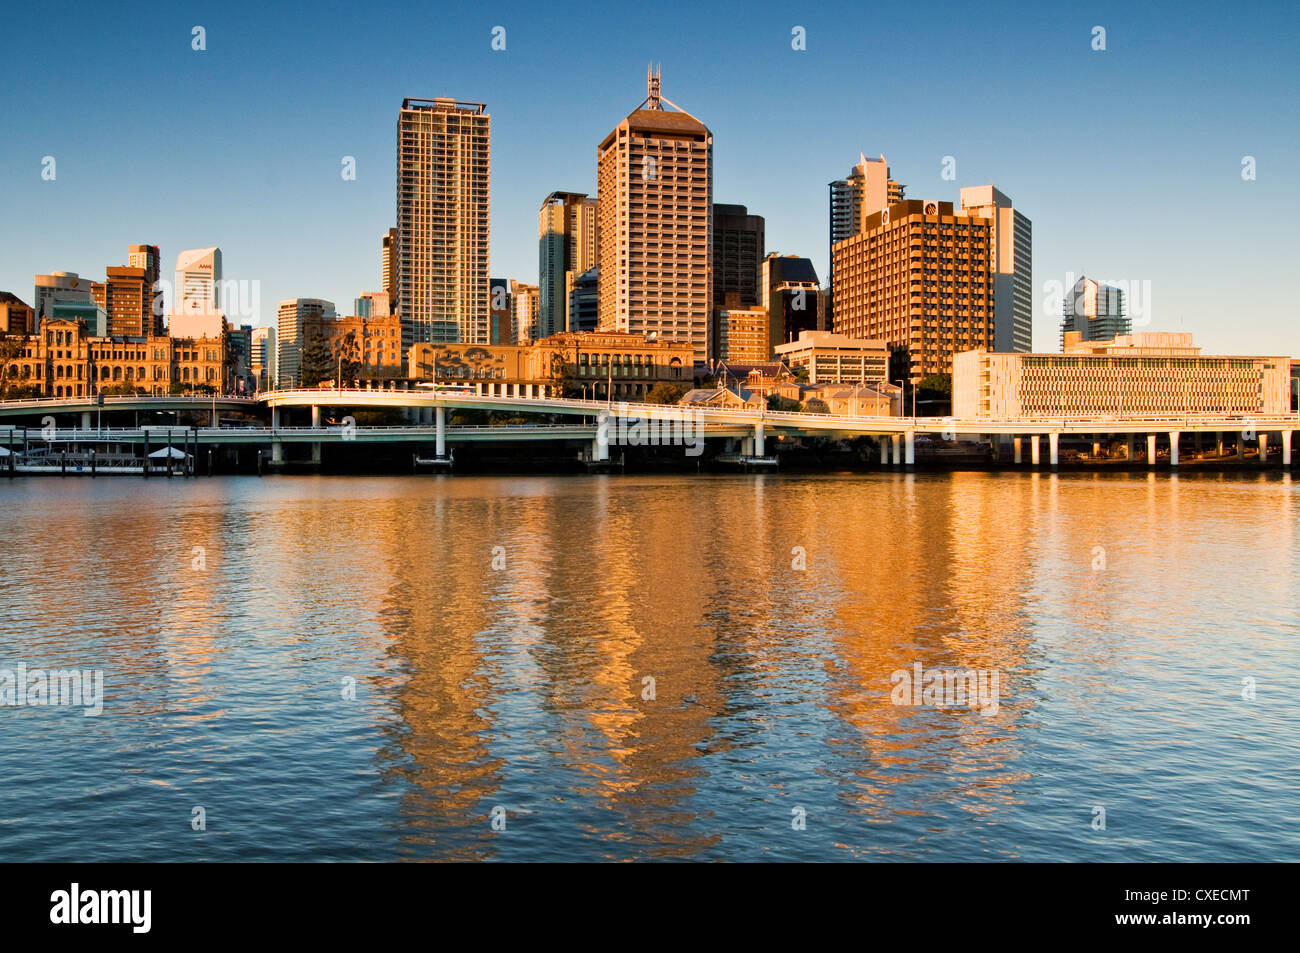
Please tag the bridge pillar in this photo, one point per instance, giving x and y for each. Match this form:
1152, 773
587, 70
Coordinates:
1053, 449
760, 445
893, 448
909, 447
1151, 449
275, 418
277, 452
1218, 444
315, 415
85, 420
216, 421
1263, 447
1128, 454
1286, 448
601, 444
1015, 442
1096, 449
440, 431
315, 452
1241, 446
884, 452
1174, 436
1035, 455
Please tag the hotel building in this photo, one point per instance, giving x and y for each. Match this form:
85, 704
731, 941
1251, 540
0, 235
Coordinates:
919, 277
742, 333
654, 176
867, 189
1138, 375
566, 247
442, 220
126, 296
836, 359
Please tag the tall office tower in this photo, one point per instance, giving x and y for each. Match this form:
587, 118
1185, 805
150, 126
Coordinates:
263, 357
500, 314
792, 297
918, 277
126, 296
198, 279
738, 245
566, 247
866, 190
150, 259
1013, 266
523, 312
388, 264
1097, 311
654, 178
292, 314
442, 221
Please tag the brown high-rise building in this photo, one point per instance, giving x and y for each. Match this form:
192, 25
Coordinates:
918, 277
150, 259
654, 182
127, 298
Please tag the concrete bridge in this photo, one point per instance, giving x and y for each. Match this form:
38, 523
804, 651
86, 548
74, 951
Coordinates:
605, 422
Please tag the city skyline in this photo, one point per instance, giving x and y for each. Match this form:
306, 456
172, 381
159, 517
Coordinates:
1153, 200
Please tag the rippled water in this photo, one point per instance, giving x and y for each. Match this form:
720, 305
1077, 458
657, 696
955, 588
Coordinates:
1121, 612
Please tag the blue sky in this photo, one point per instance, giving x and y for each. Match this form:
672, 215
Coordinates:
1128, 160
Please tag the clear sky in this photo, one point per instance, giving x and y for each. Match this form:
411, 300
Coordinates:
1128, 160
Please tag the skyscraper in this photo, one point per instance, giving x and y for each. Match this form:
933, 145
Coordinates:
388, 263
1097, 311
792, 297
198, 279
523, 312
654, 177
442, 221
566, 247
917, 276
1013, 264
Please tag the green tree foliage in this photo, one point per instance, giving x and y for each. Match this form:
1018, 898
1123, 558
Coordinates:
666, 392
316, 363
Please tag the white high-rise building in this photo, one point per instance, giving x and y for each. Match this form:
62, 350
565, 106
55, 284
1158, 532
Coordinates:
198, 279
1012, 261
263, 360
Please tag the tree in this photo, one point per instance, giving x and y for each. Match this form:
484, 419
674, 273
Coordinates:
935, 387
349, 354
11, 348
666, 392
801, 375
778, 403
315, 364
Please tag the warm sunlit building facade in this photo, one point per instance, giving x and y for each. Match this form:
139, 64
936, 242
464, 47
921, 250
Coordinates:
836, 359
918, 277
566, 247
442, 220
1151, 374
654, 177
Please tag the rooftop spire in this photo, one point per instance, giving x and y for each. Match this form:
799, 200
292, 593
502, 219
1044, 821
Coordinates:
652, 87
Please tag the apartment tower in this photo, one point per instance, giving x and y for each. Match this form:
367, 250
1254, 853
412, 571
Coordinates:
442, 221
654, 178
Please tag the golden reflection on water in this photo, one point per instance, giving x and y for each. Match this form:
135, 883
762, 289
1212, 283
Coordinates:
527, 684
